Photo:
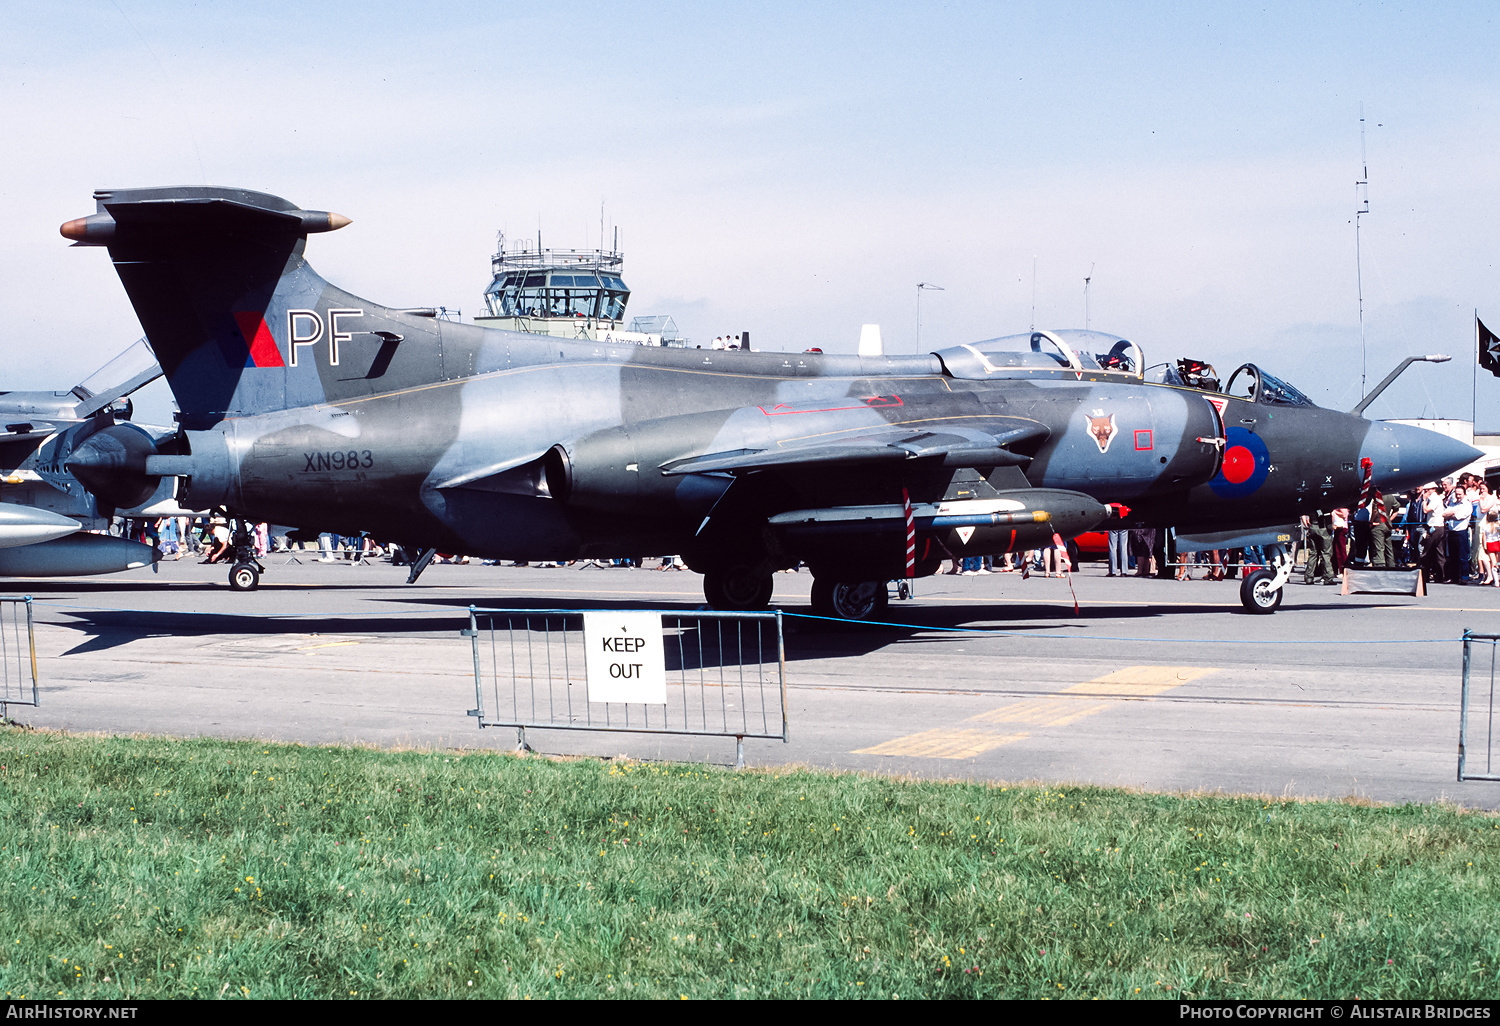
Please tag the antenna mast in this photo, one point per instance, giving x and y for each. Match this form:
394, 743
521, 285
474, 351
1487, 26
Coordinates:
1085, 296
1361, 207
1033, 293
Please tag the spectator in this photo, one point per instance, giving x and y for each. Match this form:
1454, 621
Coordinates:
1142, 542
167, 529
1340, 518
1359, 530
1487, 517
218, 529
1476, 545
1458, 511
1435, 539
1319, 565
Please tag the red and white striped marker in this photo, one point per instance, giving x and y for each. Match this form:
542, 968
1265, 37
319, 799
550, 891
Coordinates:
911, 535
1067, 566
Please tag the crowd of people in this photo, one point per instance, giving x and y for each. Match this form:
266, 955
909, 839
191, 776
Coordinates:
212, 539
1450, 530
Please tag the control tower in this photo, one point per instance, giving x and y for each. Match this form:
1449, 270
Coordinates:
569, 293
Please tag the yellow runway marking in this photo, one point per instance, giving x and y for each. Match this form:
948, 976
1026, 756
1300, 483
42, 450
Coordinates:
1040, 712
1067, 706
1139, 681
943, 744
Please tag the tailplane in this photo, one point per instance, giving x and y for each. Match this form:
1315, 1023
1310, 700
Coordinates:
239, 321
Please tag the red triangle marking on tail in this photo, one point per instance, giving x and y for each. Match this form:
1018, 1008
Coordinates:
263, 349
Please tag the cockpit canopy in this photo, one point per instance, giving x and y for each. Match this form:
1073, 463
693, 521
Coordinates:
1248, 382
1074, 349
1254, 384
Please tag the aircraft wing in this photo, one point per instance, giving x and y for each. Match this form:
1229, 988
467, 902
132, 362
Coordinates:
26, 436
954, 447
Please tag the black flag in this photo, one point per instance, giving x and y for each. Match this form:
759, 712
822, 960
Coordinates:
1489, 349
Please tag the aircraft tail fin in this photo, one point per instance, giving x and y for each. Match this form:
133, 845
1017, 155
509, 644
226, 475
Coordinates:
239, 321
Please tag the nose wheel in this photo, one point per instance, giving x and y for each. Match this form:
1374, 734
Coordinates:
1261, 592
1257, 593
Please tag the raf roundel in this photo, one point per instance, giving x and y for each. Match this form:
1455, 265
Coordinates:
1247, 461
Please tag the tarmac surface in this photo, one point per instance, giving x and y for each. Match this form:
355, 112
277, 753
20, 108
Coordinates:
1161, 685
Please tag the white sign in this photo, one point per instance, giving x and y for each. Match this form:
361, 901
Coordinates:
624, 657
634, 338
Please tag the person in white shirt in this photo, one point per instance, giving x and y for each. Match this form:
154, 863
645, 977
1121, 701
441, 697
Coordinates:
1458, 512
1434, 560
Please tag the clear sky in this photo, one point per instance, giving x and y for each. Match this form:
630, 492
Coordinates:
794, 169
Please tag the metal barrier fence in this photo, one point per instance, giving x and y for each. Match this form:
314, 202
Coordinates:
724, 675
17, 654
1484, 709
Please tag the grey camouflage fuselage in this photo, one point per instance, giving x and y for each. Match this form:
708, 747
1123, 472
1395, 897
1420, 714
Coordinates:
304, 405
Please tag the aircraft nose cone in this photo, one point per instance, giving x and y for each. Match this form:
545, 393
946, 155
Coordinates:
1405, 457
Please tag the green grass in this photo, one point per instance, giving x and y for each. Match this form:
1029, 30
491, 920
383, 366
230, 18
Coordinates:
159, 868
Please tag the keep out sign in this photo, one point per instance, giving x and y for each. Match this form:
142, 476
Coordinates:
624, 657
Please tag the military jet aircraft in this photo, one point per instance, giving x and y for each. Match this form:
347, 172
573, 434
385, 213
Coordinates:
48, 518
304, 405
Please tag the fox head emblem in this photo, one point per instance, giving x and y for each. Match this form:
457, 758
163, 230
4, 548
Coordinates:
1102, 427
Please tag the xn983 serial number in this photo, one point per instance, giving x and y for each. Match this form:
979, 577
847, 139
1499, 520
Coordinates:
351, 459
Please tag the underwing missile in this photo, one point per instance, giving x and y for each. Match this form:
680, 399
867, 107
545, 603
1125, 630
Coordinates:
26, 525
76, 555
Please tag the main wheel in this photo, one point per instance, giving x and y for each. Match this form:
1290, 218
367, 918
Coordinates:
244, 577
849, 600
1256, 592
739, 588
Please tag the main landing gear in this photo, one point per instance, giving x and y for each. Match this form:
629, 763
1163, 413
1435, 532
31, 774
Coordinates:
244, 577
744, 588
740, 587
849, 600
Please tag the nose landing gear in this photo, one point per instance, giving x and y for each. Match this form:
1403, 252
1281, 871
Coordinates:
1261, 592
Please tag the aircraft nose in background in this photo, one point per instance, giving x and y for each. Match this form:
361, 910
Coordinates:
1406, 457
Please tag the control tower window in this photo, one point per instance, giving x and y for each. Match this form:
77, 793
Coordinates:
571, 293
580, 303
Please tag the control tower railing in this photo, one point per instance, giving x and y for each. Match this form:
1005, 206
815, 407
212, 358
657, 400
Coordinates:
537, 259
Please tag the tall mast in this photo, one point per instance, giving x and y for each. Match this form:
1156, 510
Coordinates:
1033, 293
1086, 281
1361, 207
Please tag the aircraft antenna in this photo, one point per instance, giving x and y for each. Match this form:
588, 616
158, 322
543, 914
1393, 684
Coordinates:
920, 286
1085, 298
1033, 293
1361, 207
171, 86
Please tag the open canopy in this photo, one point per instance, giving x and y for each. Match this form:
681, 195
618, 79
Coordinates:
1064, 349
